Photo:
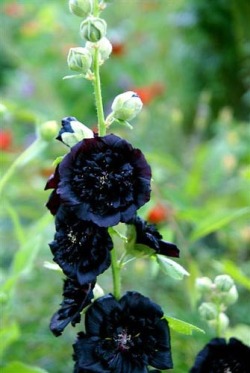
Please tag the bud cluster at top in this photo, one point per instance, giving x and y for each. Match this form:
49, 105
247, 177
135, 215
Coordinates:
218, 295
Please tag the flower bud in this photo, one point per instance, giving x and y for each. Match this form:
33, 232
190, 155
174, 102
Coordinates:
126, 106
208, 311
104, 46
93, 29
203, 284
73, 131
98, 291
48, 130
222, 320
223, 283
81, 8
79, 59
229, 297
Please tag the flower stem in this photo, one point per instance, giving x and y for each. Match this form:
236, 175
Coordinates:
116, 275
97, 83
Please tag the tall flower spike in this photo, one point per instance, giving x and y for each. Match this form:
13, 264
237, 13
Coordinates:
103, 180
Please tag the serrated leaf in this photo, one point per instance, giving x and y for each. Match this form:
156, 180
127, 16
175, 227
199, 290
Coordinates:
171, 268
17, 366
217, 221
182, 326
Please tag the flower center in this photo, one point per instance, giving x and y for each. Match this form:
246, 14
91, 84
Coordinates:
123, 340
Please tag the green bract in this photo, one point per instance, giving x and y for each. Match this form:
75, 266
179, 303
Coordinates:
79, 59
93, 29
81, 8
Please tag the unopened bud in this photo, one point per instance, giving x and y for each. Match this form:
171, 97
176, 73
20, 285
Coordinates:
79, 59
126, 106
104, 46
220, 323
93, 29
203, 284
208, 311
73, 131
98, 291
229, 297
81, 8
48, 130
223, 283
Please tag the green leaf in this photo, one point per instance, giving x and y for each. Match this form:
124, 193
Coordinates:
182, 326
74, 76
9, 334
20, 235
58, 160
171, 268
19, 367
217, 221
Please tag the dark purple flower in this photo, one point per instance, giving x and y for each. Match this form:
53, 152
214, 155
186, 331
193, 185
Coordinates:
103, 180
76, 298
147, 234
123, 336
221, 357
80, 248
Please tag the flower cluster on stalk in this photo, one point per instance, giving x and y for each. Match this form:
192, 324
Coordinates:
101, 182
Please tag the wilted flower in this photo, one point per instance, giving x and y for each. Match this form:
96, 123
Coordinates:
76, 298
103, 180
81, 249
147, 234
123, 336
221, 357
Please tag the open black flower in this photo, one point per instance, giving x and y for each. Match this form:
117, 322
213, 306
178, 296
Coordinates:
124, 336
103, 180
218, 356
75, 298
80, 248
147, 234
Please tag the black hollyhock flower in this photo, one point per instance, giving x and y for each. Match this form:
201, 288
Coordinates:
76, 298
147, 234
123, 336
103, 180
221, 357
80, 248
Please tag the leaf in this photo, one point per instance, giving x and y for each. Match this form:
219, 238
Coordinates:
217, 221
58, 160
17, 366
20, 235
74, 76
170, 267
9, 334
182, 326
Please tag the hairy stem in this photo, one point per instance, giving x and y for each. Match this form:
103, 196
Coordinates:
116, 275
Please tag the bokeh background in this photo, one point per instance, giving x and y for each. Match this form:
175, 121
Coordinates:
189, 60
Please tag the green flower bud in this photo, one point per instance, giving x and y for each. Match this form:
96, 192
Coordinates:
79, 59
208, 311
48, 130
93, 29
222, 320
203, 284
104, 46
126, 106
81, 8
223, 283
229, 297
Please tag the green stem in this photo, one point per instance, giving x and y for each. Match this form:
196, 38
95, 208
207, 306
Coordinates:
98, 95
116, 275
23, 158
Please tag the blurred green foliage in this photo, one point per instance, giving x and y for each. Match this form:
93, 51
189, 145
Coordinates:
188, 60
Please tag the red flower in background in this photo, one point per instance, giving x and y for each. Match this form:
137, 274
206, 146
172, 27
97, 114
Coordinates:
5, 140
118, 48
14, 9
149, 92
158, 214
